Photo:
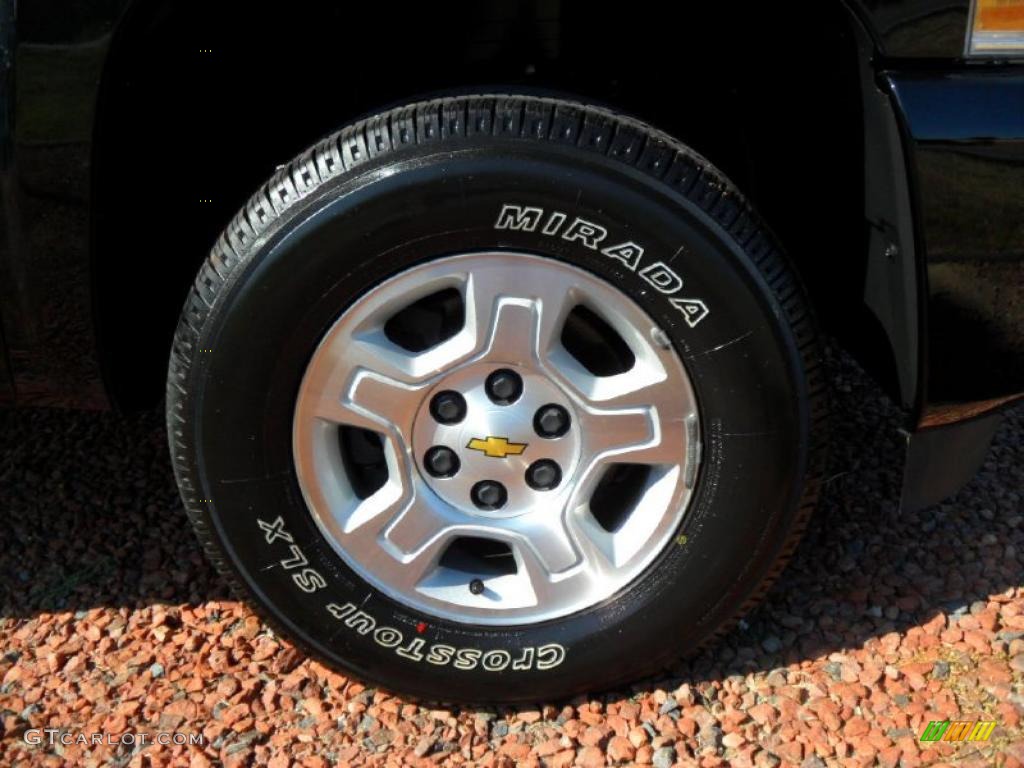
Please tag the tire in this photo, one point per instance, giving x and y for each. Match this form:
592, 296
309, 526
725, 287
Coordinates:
579, 193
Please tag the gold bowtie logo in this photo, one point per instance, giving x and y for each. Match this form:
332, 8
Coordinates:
496, 447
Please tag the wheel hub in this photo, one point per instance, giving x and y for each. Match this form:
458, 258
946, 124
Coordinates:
495, 441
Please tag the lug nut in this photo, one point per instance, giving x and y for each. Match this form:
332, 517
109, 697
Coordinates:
504, 386
441, 461
551, 421
448, 407
489, 494
543, 475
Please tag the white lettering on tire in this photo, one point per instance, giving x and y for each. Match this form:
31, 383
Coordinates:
523, 219
440, 654
628, 253
661, 277
587, 232
414, 648
387, 637
664, 279
309, 580
694, 310
466, 658
495, 661
550, 655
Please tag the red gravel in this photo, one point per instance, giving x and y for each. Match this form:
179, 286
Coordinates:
112, 622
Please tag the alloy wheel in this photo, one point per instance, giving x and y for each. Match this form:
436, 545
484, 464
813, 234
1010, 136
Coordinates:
496, 438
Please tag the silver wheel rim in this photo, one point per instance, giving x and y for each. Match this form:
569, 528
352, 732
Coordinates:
545, 552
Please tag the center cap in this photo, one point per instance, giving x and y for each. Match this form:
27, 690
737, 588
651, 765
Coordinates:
497, 443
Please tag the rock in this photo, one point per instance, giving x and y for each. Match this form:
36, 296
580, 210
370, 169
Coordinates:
710, 737
593, 737
639, 736
855, 728
423, 746
764, 714
733, 740
664, 757
590, 757
620, 750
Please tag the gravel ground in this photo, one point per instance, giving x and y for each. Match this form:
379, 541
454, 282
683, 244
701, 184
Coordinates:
111, 621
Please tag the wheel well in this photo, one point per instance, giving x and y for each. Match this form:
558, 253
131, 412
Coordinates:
200, 102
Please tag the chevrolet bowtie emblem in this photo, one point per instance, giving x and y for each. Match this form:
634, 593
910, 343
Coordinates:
496, 447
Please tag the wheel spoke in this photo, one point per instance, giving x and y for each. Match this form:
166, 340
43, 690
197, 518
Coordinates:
374, 351
367, 345
512, 337
411, 571
370, 401
514, 323
555, 300
629, 437
532, 568
550, 543
421, 522
542, 557
599, 554
600, 557
619, 432
370, 350
637, 386
330, 407
385, 400
636, 437
364, 519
